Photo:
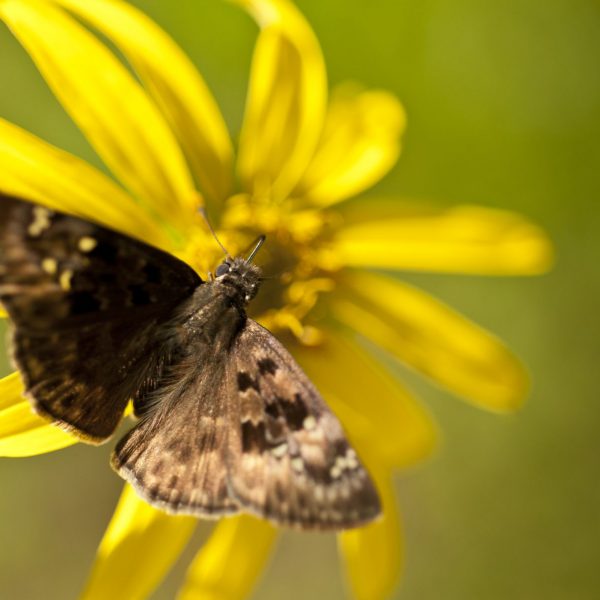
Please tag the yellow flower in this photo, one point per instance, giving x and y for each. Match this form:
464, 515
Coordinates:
299, 160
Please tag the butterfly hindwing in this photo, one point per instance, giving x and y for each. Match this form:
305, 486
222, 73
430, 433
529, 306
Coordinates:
175, 457
85, 303
293, 463
242, 429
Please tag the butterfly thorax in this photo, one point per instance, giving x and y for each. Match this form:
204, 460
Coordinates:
216, 311
208, 322
241, 276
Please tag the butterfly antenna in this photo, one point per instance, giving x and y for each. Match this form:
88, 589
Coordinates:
204, 214
259, 242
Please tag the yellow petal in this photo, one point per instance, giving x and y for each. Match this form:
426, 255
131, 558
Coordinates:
175, 84
33, 169
3, 314
359, 145
286, 100
230, 563
22, 432
373, 407
138, 548
108, 105
374, 554
433, 339
465, 239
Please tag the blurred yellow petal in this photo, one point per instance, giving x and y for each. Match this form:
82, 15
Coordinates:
22, 432
230, 563
175, 84
11, 391
139, 547
286, 100
371, 404
108, 105
374, 554
359, 145
3, 314
465, 239
33, 169
433, 339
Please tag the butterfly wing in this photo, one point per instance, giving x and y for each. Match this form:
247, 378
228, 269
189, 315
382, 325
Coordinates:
293, 463
241, 428
87, 305
176, 456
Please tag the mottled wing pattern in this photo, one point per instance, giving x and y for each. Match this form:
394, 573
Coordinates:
293, 464
87, 304
176, 456
241, 428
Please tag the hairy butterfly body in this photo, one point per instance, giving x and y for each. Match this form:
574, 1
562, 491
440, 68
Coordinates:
228, 421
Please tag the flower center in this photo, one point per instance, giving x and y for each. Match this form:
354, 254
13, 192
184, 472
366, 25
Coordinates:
296, 269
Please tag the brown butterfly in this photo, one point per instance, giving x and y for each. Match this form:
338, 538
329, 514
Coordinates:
228, 422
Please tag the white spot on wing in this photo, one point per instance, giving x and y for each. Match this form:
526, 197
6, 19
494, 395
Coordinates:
309, 423
351, 459
65, 280
50, 266
87, 244
335, 472
41, 221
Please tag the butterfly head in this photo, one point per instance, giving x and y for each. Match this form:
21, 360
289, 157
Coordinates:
240, 274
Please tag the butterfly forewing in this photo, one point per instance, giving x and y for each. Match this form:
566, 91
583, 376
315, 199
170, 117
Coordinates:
86, 303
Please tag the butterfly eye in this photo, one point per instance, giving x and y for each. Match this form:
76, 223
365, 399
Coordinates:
222, 269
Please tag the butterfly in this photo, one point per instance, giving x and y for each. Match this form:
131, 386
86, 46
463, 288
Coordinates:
227, 420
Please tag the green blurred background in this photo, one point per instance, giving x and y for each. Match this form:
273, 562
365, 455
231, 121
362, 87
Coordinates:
503, 101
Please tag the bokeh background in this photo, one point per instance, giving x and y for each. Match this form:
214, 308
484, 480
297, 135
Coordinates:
503, 102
